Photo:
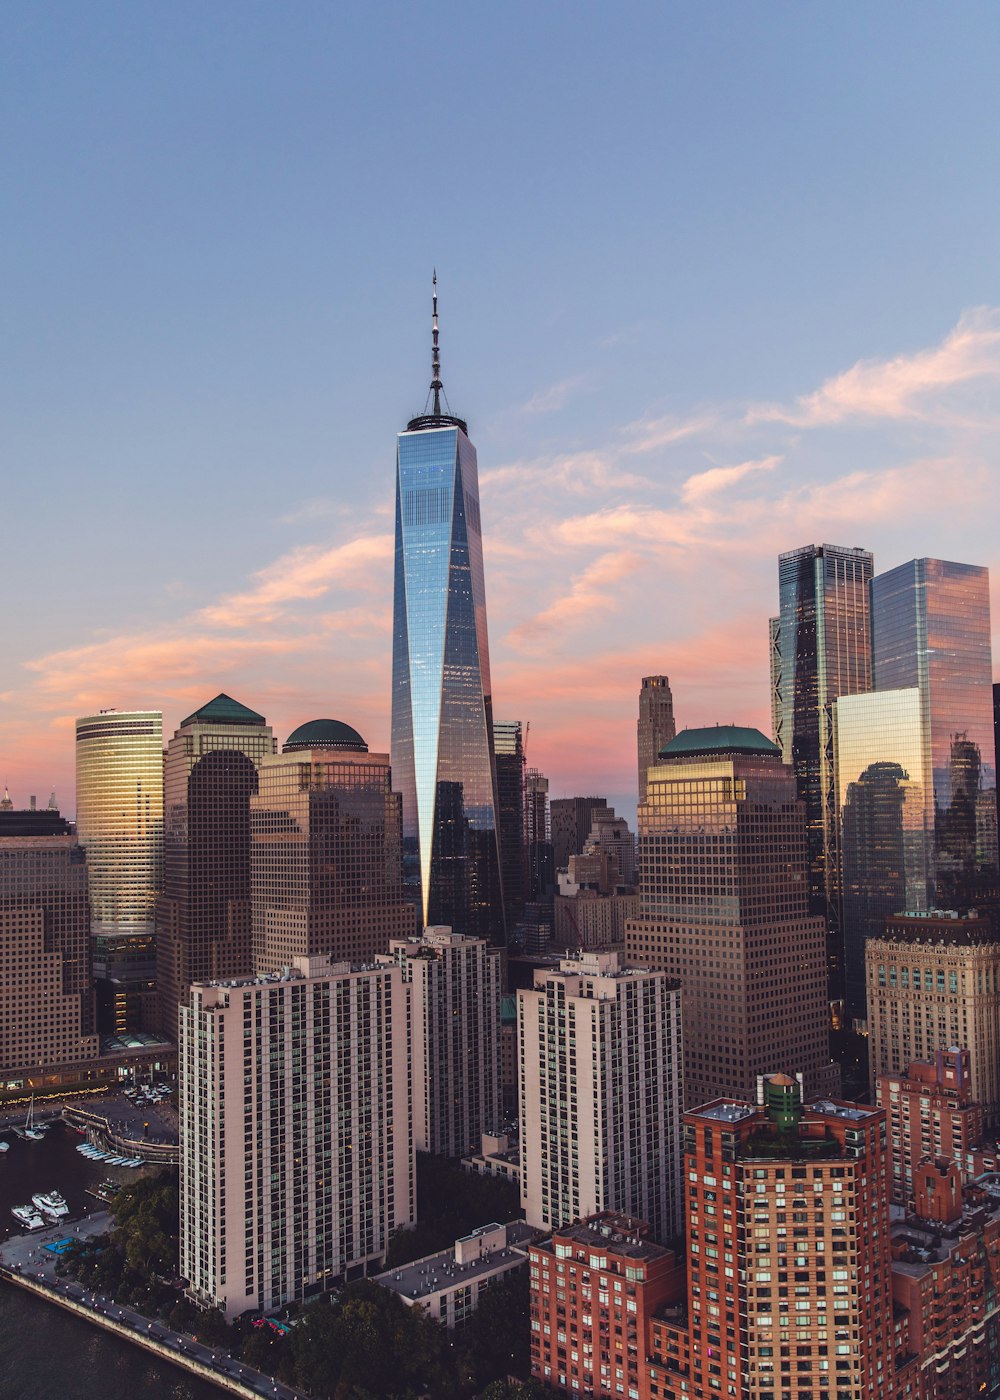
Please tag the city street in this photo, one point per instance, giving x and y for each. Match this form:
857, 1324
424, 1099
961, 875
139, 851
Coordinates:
26, 1255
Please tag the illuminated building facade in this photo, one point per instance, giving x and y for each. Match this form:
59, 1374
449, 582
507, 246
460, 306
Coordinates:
442, 707
325, 851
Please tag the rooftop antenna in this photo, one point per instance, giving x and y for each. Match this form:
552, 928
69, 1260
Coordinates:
436, 385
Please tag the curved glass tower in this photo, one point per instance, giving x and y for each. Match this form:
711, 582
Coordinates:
442, 711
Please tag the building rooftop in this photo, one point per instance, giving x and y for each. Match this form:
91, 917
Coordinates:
720, 739
623, 1235
224, 710
437, 1272
324, 734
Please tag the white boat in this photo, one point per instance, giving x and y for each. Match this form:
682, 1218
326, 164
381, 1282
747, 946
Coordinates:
51, 1203
29, 1130
4, 1146
28, 1217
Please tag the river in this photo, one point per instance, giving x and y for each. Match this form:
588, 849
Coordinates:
46, 1353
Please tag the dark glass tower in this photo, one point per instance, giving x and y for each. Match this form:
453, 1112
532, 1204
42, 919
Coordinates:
442, 710
820, 649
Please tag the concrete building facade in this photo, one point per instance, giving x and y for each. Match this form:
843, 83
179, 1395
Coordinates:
297, 1158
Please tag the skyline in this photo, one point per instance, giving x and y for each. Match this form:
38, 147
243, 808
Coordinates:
755, 333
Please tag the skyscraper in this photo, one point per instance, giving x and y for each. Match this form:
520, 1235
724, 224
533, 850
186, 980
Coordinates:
47, 1013
820, 649
571, 819
203, 915
931, 632
655, 726
442, 707
724, 907
295, 1130
119, 822
325, 851
599, 1097
454, 986
509, 745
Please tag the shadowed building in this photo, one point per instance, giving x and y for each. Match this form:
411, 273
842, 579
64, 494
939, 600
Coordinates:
325, 851
724, 907
509, 744
203, 915
442, 707
655, 726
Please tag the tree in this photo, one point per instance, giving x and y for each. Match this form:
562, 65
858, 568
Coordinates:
512, 1390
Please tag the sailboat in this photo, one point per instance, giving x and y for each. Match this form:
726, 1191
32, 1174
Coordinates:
30, 1131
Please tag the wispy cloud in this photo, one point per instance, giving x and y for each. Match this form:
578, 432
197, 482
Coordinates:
556, 396
307, 572
707, 483
904, 387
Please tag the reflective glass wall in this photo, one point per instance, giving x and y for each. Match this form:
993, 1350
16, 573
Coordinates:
442, 721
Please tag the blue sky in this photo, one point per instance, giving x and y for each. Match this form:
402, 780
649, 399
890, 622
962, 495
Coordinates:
673, 241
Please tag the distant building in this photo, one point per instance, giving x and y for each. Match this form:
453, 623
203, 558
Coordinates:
933, 983
47, 1009
297, 1157
820, 650
598, 1090
591, 910
203, 915
610, 836
499, 1154
119, 823
931, 1115
724, 907
454, 985
594, 1287
326, 874
508, 745
655, 726
571, 819
449, 1285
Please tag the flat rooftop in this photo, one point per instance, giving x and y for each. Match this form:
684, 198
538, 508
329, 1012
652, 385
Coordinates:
618, 1234
437, 1272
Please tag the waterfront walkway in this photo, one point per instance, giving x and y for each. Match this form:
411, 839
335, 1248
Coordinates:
25, 1262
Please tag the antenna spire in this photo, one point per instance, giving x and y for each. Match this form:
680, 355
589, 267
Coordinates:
436, 351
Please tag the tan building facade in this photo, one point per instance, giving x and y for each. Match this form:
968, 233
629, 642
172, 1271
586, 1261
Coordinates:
723, 889
933, 982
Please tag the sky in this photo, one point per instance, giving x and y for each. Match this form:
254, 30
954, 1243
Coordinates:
716, 281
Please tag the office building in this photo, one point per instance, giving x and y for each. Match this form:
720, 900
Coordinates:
933, 983
538, 837
326, 873
932, 1115
509, 749
124, 966
594, 1287
789, 1290
655, 726
931, 633
47, 1009
297, 1158
820, 650
598, 1087
777, 681
571, 819
724, 907
454, 984
203, 915
442, 707
610, 835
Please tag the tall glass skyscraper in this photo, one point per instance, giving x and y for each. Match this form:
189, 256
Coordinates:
820, 650
931, 630
442, 710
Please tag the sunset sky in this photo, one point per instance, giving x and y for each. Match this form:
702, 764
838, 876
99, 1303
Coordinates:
716, 281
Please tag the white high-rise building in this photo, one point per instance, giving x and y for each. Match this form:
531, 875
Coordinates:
455, 1037
296, 1133
600, 1089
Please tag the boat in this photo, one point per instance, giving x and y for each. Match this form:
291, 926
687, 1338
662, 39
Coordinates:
28, 1217
29, 1130
51, 1203
4, 1146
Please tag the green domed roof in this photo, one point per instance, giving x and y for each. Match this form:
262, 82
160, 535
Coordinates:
324, 734
719, 739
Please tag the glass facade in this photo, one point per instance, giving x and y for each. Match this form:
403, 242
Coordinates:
442, 722
820, 650
887, 816
931, 631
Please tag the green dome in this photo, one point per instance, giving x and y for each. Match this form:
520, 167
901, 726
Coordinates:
324, 734
719, 739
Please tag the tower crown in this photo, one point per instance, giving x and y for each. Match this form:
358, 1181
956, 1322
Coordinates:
435, 418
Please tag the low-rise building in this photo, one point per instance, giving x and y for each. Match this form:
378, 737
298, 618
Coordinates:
499, 1155
931, 1114
449, 1285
